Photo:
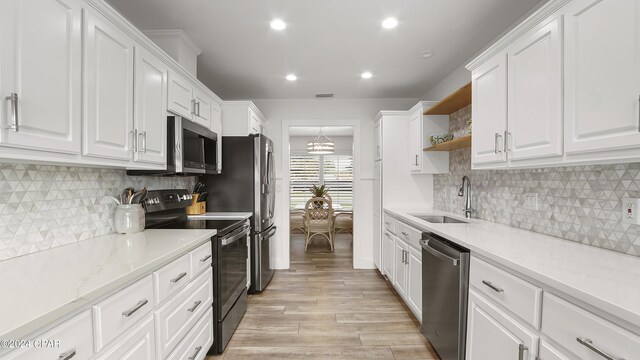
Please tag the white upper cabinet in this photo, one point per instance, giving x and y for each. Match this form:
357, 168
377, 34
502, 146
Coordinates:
180, 96
40, 64
241, 118
602, 75
415, 143
535, 93
108, 89
420, 128
150, 118
489, 109
203, 107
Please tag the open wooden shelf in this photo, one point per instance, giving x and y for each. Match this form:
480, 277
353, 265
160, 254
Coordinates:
452, 103
455, 144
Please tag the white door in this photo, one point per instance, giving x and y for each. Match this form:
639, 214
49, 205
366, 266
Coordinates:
40, 63
108, 89
388, 255
415, 143
139, 344
400, 267
602, 75
180, 100
489, 108
202, 107
150, 108
414, 281
492, 335
535, 93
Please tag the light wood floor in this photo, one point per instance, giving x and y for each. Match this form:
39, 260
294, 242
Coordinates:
323, 309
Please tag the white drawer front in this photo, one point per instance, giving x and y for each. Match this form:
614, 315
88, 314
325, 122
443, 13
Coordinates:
199, 340
409, 234
548, 352
390, 224
121, 310
565, 323
177, 317
73, 339
172, 277
516, 295
137, 344
201, 258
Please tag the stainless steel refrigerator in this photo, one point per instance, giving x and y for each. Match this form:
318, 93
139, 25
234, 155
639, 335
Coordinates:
247, 183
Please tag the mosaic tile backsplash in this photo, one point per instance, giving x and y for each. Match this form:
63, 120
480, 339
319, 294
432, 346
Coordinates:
578, 203
43, 206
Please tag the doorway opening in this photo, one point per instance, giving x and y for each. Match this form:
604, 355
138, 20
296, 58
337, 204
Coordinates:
321, 195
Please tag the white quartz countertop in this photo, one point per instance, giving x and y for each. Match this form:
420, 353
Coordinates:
222, 216
42, 287
604, 279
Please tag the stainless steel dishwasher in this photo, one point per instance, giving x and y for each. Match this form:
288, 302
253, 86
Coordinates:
445, 290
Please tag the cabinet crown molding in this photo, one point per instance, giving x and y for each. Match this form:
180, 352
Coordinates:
529, 23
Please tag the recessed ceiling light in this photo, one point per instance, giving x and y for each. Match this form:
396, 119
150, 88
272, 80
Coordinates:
292, 77
366, 75
427, 54
389, 23
278, 24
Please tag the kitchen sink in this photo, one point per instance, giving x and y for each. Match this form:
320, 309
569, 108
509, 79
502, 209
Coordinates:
438, 219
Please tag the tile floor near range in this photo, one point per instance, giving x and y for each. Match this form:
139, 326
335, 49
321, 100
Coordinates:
323, 309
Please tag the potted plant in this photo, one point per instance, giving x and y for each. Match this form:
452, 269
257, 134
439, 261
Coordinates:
318, 191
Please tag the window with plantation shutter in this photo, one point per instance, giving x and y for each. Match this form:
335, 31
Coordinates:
304, 172
334, 171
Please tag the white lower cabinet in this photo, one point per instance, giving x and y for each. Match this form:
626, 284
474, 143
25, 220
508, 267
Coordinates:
414, 281
74, 336
388, 255
197, 342
585, 334
400, 267
138, 344
491, 334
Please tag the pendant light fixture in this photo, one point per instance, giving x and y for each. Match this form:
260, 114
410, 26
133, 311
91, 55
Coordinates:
321, 145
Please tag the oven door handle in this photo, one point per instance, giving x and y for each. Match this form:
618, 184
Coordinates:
230, 239
269, 234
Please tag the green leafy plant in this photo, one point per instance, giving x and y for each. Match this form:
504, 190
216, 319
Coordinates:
318, 191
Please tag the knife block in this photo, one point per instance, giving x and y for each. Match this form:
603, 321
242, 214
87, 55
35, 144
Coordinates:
196, 208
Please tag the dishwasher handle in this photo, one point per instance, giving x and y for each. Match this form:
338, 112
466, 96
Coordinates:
426, 245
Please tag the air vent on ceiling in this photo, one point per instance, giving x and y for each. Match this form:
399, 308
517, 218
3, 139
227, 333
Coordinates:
325, 95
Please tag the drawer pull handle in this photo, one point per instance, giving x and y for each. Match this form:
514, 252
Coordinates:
178, 278
195, 353
67, 355
205, 258
405, 234
521, 349
195, 306
589, 345
137, 307
13, 97
493, 287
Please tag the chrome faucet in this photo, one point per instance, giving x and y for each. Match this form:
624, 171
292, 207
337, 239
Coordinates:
466, 192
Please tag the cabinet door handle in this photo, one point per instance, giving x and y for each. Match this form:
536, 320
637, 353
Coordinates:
195, 306
507, 136
521, 349
13, 97
589, 345
135, 308
638, 112
178, 278
193, 106
195, 353
496, 148
416, 159
67, 355
198, 108
205, 258
493, 287
405, 234
143, 141
134, 136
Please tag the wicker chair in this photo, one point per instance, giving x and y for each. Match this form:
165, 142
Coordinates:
343, 222
318, 220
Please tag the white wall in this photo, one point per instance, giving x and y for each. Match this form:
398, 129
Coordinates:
336, 111
343, 145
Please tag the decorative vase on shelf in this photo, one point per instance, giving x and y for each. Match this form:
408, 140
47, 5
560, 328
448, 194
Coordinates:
129, 219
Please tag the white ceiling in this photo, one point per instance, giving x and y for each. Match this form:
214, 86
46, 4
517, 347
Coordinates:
328, 43
326, 130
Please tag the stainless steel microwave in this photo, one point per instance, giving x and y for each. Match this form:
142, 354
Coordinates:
192, 149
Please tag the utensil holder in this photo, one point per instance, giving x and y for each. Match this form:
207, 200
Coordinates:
129, 219
196, 208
